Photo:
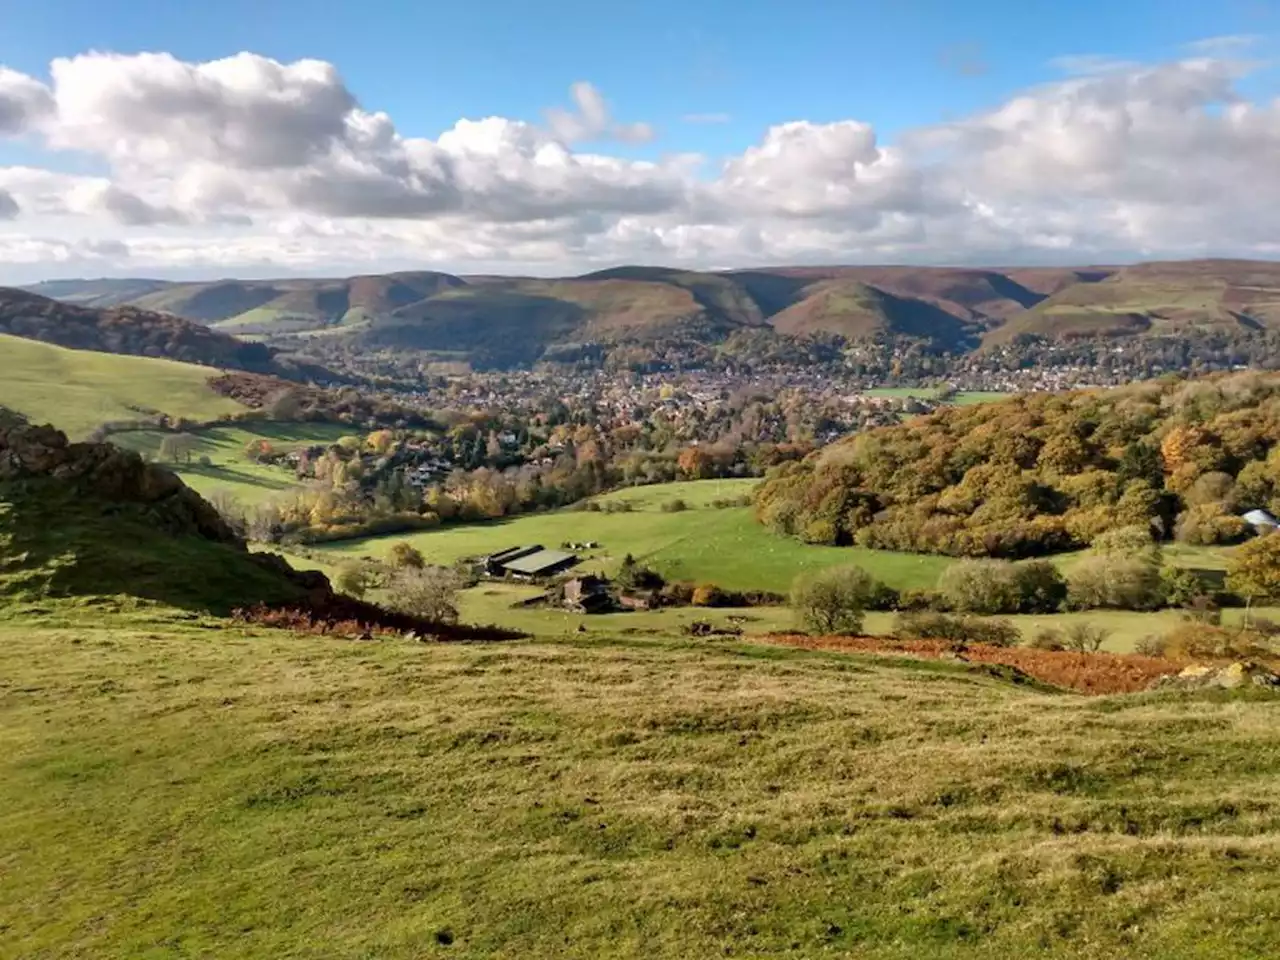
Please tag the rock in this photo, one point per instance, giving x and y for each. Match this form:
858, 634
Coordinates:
1228, 677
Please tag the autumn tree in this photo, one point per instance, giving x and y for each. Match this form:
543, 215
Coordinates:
1254, 570
405, 555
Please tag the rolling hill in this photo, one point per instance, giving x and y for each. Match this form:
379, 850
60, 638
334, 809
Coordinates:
503, 321
79, 389
126, 330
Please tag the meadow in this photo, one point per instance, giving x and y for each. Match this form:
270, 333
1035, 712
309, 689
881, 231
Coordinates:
230, 470
724, 546
76, 390
721, 545
963, 398
183, 787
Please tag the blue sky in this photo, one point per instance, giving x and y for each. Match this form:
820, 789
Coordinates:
893, 63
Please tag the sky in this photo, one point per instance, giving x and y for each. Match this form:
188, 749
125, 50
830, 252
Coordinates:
283, 137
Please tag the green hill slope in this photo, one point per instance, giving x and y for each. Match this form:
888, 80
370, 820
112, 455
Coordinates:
179, 791
90, 520
77, 390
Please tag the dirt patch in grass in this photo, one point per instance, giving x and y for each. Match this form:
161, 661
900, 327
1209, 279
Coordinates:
1093, 673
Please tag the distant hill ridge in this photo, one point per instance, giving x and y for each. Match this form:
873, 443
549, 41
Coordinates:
513, 320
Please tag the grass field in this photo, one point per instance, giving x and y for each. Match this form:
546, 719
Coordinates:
77, 390
181, 789
723, 546
963, 398
230, 470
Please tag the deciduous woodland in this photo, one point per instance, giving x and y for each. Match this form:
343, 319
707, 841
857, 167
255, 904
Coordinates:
1043, 473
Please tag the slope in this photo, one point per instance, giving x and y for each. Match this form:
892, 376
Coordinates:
170, 791
1157, 299
79, 389
856, 310
125, 330
90, 520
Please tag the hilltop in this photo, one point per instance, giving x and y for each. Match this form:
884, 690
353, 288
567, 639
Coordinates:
126, 330
513, 321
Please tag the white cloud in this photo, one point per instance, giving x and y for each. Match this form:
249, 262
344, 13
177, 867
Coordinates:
250, 165
591, 119
24, 102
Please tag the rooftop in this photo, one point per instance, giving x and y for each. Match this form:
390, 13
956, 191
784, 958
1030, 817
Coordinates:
539, 562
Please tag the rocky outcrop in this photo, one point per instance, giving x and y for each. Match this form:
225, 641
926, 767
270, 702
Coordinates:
1227, 677
108, 473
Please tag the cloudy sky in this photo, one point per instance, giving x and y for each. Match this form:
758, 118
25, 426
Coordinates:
283, 137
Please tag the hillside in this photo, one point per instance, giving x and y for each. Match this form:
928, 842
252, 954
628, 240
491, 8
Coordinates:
1043, 473
125, 330
77, 390
171, 789
1157, 298
505, 321
90, 520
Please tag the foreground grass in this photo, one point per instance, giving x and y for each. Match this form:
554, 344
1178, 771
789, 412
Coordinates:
76, 390
173, 789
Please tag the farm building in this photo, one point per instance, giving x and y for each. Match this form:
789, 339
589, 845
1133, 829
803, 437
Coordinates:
589, 594
542, 563
1261, 520
528, 562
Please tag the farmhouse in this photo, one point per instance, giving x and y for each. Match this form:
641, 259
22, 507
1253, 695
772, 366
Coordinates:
588, 594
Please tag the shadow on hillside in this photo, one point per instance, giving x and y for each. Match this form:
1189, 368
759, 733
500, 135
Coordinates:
54, 543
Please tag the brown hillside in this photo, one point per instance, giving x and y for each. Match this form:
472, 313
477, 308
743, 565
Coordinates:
125, 330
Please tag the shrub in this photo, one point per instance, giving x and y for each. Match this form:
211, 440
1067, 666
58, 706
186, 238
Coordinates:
406, 555
956, 629
356, 579
1182, 587
1048, 639
675, 506
678, 594
1132, 542
833, 600
430, 593
708, 595
1041, 587
980, 586
1199, 641
916, 600
1085, 637
1119, 582
1209, 524
1151, 646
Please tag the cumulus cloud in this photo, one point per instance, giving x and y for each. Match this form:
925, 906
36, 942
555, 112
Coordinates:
248, 164
24, 102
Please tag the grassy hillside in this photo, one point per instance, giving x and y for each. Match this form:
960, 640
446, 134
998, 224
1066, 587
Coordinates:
722, 546
494, 320
229, 470
126, 330
171, 789
1164, 299
78, 389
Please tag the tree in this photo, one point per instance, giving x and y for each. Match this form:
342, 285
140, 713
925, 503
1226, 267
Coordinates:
1254, 570
285, 405
177, 447
1116, 581
356, 579
833, 600
980, 586
430, 593
406, 555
